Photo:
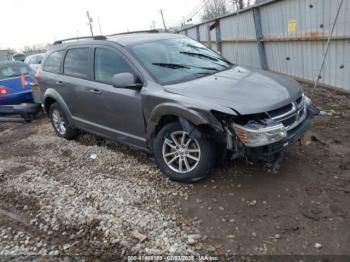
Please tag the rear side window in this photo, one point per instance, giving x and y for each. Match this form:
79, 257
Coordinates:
109, 63
36, 59
76, 63
53, 62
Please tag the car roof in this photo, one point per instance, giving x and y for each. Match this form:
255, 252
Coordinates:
135, 38
124, 39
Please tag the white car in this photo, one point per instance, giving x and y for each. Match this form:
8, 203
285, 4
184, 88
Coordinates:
34, 61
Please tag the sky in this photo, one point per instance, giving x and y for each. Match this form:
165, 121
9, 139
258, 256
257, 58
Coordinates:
38, 22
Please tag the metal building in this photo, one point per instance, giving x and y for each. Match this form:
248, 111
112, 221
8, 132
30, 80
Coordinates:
5, 55
284, 36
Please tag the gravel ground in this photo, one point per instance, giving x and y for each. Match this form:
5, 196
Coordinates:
57, 200
64, 202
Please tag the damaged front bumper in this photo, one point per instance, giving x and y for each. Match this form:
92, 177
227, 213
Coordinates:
272, 152
268, 143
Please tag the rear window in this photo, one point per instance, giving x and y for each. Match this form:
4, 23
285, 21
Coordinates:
53, 62
76, 63
19, 57
13, 71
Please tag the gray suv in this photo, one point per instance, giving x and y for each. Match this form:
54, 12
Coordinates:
173, 97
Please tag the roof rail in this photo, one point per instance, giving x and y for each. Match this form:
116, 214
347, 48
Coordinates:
97, 37
153, 31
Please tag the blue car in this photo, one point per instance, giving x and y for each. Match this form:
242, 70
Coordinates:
15, 83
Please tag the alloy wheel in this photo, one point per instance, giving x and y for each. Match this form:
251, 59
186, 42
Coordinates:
180, 152
58, 122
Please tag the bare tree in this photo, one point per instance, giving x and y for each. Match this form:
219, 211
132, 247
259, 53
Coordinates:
242, 3
215, 8
34, 49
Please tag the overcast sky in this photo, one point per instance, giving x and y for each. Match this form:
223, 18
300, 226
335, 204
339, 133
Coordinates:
28, 22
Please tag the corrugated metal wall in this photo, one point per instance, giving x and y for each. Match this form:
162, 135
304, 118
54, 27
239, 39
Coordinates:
290, 35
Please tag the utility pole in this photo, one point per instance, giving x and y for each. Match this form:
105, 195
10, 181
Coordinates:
161, 13
89, 22
153, 25
99, 25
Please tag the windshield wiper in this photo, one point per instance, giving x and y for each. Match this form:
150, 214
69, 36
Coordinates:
206, 56
178, 66
199, 54
171, 65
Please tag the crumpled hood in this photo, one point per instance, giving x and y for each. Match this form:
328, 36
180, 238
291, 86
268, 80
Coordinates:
247, 91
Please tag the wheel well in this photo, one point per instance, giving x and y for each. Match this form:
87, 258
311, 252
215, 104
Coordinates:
162, 122
48, 102
206, 128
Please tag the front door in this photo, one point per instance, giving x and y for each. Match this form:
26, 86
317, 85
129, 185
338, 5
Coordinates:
115, 111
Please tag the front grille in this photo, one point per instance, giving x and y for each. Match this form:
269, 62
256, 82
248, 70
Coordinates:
301, 112
289, 121
299, 100
290, 115
281, 110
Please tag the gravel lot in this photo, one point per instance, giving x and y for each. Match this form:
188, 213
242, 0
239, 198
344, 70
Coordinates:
56, 200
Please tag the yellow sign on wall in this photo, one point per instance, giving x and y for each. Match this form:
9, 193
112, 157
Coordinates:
292, 26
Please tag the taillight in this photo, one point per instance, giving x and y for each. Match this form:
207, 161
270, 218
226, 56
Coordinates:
3, 90
37, 77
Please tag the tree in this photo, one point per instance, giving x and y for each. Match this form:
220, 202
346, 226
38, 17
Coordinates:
240, 4
215, 8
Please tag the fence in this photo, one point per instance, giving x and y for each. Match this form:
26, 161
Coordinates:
284, 36
4, 55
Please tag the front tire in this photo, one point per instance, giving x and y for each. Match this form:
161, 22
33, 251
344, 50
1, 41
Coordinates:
182, 157
60, 122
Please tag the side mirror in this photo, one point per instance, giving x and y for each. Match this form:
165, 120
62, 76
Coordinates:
125, 80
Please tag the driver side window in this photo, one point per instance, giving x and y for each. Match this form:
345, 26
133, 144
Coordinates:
109, 63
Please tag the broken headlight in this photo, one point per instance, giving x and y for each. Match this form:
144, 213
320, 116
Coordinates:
254, 137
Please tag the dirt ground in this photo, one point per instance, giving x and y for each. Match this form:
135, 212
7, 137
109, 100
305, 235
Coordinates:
55, 199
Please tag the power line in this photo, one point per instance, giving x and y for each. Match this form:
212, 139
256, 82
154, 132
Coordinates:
199, 9
327, 47
194, 10
238, 31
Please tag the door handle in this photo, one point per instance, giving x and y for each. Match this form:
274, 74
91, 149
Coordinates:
95, 91
60, 83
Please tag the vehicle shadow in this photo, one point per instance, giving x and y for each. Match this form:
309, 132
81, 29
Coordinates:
88, 139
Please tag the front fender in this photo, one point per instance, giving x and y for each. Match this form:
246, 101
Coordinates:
53, 94
193, 116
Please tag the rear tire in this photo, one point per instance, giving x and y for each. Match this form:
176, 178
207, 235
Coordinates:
60, 123
181, 157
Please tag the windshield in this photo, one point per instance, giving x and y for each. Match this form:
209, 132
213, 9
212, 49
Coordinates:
178, 60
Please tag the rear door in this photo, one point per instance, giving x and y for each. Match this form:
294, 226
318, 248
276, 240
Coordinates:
75, 82
48, 75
